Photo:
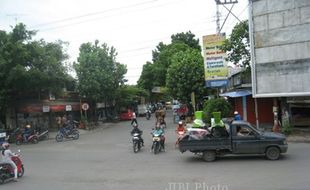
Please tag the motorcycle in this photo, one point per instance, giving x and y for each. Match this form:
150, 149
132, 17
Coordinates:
33, 138
68, 134
136, 140
180, 135
148, 115
42, 134
7, 171
157, 145
12, 135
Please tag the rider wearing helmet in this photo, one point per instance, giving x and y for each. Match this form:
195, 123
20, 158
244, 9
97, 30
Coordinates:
6, 158
159, 130
237, 116
27, 132
137, 130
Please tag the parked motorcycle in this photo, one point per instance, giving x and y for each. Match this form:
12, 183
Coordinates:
42, 133
68, 134
33, 138
12, 135
157, 145
136, 140
7, 171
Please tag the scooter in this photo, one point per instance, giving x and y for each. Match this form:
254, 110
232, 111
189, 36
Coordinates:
7, 172
180, 134
148, 115
157, 145
33, 138
68, 134
136, 140
42, 134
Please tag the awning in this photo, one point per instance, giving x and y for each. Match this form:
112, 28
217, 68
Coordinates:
235, 94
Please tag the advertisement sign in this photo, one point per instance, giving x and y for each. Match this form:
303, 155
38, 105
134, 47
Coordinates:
68, 108
216, 70
46, 109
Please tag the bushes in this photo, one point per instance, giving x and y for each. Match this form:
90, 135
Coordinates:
216, 105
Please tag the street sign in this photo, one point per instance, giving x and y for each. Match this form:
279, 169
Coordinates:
85, 106
68, 108
46, 109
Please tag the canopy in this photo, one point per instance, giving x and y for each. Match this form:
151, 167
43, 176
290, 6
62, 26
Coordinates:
235, 94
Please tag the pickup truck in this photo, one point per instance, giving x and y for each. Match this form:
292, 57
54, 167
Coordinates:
238, 138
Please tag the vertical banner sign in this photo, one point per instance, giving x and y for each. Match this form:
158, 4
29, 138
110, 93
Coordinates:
216, 70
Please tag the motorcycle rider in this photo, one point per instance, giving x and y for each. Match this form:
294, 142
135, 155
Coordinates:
159, 130
180, 128
6, 158
137, 130
27, 132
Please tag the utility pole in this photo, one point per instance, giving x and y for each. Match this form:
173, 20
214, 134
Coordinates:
218, 14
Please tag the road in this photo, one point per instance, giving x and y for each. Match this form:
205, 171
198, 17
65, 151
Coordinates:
103, 159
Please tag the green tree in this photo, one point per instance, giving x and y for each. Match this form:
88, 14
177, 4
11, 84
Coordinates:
216, 105
186, 75
238, 45
187, 38
99, 75
29, 68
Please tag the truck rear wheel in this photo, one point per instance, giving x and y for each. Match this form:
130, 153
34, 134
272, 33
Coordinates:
209, 156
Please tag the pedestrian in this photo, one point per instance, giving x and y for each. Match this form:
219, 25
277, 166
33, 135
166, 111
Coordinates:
237, 116
134, 119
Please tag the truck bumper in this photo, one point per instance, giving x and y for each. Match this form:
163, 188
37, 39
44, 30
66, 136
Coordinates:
283, 148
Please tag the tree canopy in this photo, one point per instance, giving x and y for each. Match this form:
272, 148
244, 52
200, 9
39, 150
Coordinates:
237, 45
99, 74
28, 67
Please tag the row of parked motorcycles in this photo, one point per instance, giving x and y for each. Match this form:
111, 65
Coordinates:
6, 170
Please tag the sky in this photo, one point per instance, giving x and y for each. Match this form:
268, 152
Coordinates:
133, 27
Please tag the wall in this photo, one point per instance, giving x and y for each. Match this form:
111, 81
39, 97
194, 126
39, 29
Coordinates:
280, 43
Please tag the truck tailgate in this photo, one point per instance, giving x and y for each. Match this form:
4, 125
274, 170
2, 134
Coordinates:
204, 144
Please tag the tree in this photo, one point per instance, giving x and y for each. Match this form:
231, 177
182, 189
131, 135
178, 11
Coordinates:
99, 75
216, 105
186, 75
238, 45
29, 68
187, 38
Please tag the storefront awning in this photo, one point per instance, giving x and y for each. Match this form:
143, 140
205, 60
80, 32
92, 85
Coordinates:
235, 94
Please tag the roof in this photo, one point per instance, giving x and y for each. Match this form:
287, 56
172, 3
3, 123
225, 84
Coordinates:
238, 93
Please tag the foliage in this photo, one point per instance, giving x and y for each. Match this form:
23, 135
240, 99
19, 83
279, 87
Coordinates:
287, 127
216, 105
129, 96
238, 45
99, 75
154, 74
29, 68
186, 74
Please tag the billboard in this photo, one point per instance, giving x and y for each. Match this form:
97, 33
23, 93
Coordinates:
215, 65
280, 46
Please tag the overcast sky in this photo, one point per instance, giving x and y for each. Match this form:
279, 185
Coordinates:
133, 27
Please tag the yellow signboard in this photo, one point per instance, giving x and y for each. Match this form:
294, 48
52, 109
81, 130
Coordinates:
214, 60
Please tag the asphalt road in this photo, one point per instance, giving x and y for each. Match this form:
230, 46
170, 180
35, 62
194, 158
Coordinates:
103, 159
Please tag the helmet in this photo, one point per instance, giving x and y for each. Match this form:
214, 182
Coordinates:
180, 123
28, 126
5, 145
235, 112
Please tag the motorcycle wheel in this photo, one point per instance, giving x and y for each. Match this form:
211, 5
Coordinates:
75, 135
18, 142
2, 178
136, 146
21, 173
59, 137
35, 140
156, 148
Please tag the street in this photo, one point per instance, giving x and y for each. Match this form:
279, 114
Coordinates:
103, 159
